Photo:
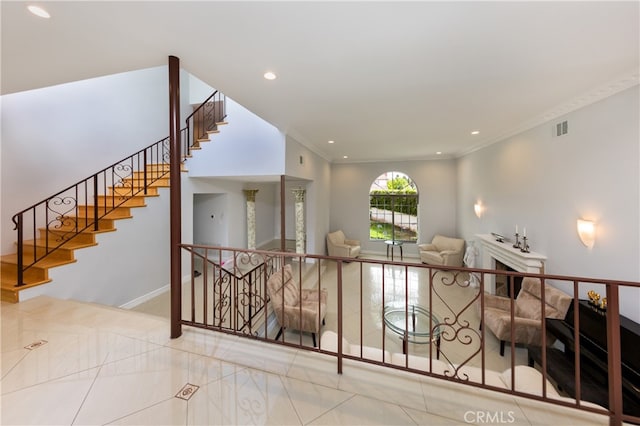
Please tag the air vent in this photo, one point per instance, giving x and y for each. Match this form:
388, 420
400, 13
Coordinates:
562, 128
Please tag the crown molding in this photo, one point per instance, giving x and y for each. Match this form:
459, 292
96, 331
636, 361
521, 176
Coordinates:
623, 82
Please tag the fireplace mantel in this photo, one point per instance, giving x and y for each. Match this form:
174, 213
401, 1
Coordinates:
504, 252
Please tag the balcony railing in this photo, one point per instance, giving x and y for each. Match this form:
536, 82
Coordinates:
375, 310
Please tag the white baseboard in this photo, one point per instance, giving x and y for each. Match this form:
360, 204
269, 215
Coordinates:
139, 300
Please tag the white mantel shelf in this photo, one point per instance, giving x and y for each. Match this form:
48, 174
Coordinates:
504, 252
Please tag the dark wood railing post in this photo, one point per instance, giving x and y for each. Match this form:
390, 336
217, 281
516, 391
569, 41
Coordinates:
95, 203
20, 271
144, 173
614, 355
283, 247
340, 348
175, 196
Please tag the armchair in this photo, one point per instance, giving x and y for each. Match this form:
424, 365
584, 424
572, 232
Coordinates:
339, 246
296, 308
527, 313
443, 251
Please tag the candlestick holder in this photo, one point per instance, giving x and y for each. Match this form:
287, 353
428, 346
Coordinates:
517, 243
525, 246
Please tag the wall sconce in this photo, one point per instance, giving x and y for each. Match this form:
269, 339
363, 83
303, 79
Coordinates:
478, 209
587, 232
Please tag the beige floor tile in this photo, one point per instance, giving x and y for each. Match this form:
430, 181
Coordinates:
248, 397
361, 410
425, 418
539, 413
315, 368
54, 402
170, 412
377, 383
460, 402
311, 400
126, 386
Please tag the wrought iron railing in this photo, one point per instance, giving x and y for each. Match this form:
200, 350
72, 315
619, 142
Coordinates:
203, 121
230, 293
88, 203
453, 346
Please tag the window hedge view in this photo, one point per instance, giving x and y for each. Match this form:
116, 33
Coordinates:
393, 208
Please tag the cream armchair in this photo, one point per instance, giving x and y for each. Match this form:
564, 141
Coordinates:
443, 251
527, 313
339, 246
296, 308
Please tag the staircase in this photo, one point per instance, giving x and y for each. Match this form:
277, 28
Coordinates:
49, 232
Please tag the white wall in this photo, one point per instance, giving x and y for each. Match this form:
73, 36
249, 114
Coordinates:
234, 233
210, 215
546, 183
247, 146
437, 185
198, 90
266, 209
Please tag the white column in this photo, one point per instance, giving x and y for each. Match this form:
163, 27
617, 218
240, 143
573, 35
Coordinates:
250, 194
300, 233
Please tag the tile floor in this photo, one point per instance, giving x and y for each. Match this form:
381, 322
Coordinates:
93, 364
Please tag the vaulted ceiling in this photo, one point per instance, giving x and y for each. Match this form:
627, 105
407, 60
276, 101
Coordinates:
384, 80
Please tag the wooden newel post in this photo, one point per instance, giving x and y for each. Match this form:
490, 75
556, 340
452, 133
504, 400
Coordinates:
175, 196
614, 355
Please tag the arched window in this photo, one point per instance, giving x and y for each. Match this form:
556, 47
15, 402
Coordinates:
393, 208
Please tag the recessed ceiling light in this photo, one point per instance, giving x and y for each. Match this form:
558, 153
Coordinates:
439, 153
345, 156
331, 142
38, 11
475, 132
269, 75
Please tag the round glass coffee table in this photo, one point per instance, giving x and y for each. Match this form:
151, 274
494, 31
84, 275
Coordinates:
391, 244
413, 323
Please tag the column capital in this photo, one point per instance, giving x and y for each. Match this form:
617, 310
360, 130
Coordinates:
250, 194
299, 194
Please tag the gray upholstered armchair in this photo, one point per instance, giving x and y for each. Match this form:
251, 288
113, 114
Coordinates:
296, 308
445, 251
527, 313
338, 245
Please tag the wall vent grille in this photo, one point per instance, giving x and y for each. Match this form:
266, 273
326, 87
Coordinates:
562, 128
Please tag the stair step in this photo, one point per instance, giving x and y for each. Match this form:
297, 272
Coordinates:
10, 271
158, 167
40, 248
213, 131
139, 183
46, 263
70, 228
121, 201
127, 191
221, 123
151, 175
68, 245
32, 277
117, 213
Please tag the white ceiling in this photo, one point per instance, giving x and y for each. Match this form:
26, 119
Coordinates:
385, 80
